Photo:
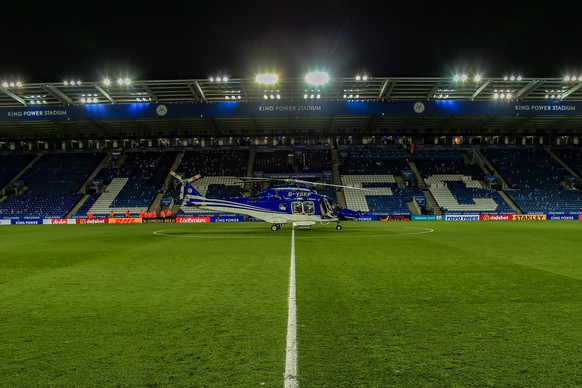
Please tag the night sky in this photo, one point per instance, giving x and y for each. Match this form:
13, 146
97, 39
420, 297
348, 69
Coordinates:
49, 41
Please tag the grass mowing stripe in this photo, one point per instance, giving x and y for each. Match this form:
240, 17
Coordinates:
102, 305
457, 307
291, 353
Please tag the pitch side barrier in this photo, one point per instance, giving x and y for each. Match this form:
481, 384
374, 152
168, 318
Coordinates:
237, 218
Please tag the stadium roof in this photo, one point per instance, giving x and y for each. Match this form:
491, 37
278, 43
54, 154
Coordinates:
76, 93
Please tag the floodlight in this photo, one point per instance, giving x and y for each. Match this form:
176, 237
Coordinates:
106, 82
512, 78
464, 77
477, 77
496, 96
267, 78
457, 78
5, 84
120, 81
317, 78
358, 77
574, 78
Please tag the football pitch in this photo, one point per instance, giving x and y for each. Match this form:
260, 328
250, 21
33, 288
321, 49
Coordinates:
377, 304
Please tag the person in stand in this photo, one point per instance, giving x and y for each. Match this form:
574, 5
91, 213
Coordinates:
90, 215
141, 214
168, 213
163, 213
111, 214
127, 214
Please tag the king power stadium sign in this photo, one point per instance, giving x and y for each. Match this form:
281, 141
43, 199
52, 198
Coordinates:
290, 108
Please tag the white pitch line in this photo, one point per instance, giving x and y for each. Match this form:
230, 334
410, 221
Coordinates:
291, 352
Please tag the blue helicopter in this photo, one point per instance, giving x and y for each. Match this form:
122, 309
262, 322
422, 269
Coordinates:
294, 202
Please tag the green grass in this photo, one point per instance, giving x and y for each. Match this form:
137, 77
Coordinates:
379, 304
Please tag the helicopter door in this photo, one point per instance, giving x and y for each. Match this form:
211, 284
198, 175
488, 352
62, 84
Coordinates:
325, 208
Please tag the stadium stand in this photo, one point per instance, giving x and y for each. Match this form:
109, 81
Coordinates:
11, 164
535, 179
456, 184
316, 160
132, 185
572, 157
51, 184
215, 162
279, 161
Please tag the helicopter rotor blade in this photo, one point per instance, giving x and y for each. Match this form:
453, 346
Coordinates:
294, 181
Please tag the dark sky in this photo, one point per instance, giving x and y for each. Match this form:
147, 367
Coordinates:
48, 41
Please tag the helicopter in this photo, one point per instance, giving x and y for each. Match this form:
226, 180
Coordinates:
294, 202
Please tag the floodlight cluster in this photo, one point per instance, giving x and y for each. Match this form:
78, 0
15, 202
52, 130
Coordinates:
464, 78
362, 77
553, 94
573, 78
72, 83
442, 94
502, 94
267, 78
311, 96
272, 96
218, 79
36, 99
317, 78
89, 98
512, 78
12, 84
232, 95
120, 81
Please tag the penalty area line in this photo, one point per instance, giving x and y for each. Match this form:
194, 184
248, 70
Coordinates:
291, 351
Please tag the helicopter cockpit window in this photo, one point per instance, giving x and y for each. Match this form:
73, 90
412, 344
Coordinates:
334, 206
